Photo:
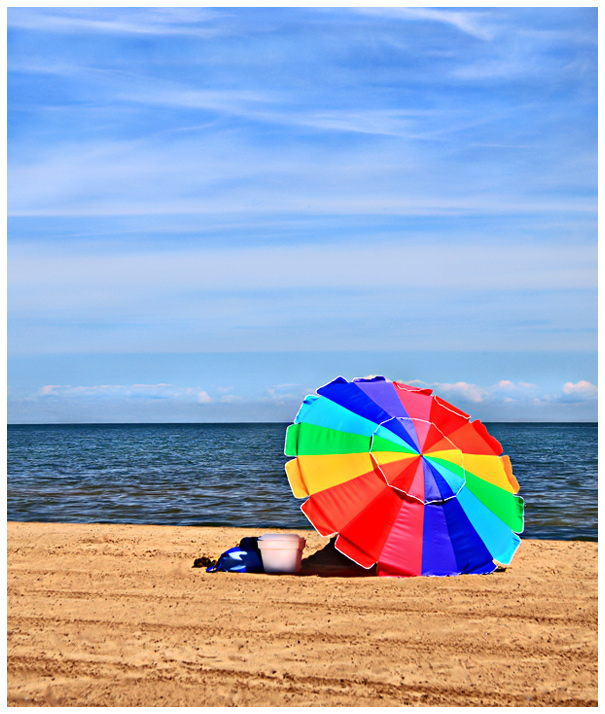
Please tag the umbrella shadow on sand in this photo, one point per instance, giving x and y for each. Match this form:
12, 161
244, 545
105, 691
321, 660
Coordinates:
330, 563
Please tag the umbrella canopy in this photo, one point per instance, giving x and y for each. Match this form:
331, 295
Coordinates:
404, 479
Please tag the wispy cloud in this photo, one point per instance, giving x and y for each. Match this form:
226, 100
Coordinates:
214, 130
118, 21
476, 23
234, 102
230, 399
300, 296
229, 177
62, 271
70, 392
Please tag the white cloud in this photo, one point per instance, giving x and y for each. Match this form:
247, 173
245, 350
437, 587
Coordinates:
282, 393
50, 389
124, 392
580, 391
461, 390
507, 390
504, 391
507, 394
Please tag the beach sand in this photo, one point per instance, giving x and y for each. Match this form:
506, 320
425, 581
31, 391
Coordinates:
115, 615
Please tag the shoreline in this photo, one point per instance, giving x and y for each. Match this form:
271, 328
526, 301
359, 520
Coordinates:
115, 615
258, 529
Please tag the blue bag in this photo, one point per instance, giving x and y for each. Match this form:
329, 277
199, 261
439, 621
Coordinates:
244, 558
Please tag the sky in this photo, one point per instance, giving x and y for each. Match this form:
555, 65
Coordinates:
212, 212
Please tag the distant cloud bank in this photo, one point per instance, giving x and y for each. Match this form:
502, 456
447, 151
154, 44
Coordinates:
506, 392
506, 401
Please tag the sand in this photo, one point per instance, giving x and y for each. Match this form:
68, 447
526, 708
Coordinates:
115, 615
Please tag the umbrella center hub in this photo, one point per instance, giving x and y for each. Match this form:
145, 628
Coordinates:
415, 457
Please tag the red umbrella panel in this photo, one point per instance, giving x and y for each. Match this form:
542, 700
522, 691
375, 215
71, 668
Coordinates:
404, 479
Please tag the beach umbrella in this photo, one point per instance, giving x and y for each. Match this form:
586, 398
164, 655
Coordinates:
404, 479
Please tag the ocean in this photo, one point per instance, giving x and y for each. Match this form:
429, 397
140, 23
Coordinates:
233, 475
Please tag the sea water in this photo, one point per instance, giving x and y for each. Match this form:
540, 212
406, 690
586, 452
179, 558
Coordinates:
233, 475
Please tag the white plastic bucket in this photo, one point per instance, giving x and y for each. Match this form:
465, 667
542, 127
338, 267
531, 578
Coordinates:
281, 552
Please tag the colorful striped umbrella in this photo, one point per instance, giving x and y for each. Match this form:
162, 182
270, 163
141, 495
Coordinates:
404, 479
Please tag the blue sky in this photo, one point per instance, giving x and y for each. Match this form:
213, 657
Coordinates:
211, 212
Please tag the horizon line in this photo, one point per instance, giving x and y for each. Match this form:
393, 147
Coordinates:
222, 423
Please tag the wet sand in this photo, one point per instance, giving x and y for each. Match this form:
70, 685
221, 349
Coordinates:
115, 615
